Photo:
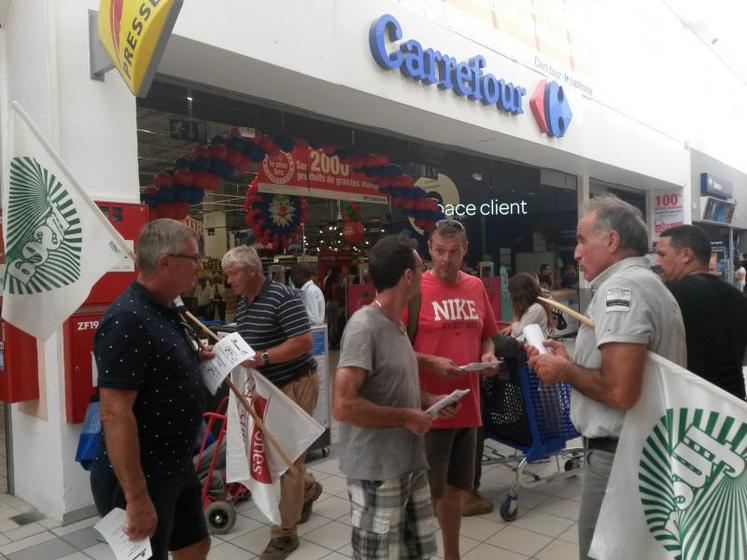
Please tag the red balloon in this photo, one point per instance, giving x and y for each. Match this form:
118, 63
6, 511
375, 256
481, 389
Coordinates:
163, 179
213, 182
202, 150
353, 232
183, 177
218, 151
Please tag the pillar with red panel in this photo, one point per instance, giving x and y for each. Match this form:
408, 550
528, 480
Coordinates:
78, 331
19, 368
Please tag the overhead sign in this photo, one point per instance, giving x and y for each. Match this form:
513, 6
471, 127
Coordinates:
189, 131
309, 172
715, 186
134, 34
551, 109
465, 78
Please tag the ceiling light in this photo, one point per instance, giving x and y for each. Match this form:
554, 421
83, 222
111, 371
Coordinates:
477, 176
189, 98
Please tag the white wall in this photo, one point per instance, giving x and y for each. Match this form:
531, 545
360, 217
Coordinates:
92, 126
650, 101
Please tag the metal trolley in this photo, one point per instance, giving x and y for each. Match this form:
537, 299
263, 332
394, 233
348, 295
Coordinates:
520, 411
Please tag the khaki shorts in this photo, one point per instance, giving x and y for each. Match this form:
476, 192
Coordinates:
451, 455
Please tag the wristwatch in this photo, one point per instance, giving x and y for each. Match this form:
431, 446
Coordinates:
265, 357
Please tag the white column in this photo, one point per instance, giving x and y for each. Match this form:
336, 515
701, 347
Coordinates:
92, 125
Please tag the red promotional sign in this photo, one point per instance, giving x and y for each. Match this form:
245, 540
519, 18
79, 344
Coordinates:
259, 467
309, 172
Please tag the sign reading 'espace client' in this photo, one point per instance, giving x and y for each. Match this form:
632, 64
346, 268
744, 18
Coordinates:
429, 66
491, 208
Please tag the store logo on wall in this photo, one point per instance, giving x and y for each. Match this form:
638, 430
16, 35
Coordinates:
429, 66
279, 168
551, 109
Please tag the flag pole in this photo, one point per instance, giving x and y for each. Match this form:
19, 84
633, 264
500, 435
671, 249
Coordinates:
239, 395
565, 309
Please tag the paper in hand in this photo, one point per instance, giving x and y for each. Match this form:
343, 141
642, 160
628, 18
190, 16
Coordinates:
535, 337
450, 399
111, 528
229, 352
477, 366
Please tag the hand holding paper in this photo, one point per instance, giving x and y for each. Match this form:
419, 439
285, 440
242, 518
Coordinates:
112, 528
229, 352
448, 400
535, 337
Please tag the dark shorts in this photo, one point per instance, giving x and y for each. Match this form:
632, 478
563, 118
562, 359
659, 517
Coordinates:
178, 503
451, 455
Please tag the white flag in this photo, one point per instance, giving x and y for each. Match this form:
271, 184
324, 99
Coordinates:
678, 487
250, 459
57, 242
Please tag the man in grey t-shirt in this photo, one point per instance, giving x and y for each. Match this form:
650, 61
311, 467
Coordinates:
633, 312
379, 405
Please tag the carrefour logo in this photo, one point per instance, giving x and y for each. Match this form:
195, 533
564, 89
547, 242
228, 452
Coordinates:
429, 66
550, 108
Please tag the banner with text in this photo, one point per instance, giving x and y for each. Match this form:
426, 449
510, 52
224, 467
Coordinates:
309, 172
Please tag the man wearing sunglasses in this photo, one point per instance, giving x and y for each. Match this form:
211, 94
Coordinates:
152, 400
455, 327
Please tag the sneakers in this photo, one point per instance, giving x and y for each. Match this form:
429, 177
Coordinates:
474, 504
308, 504
279, 548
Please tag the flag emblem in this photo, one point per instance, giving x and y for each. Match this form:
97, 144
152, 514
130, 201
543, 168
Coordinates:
693, 483
44, 234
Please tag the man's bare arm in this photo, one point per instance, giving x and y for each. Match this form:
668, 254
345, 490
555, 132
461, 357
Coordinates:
348, 406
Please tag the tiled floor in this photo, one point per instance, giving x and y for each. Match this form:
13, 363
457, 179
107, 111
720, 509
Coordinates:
545, 528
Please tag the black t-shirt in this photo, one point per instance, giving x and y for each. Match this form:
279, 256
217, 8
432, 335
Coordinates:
715, 316
144, 346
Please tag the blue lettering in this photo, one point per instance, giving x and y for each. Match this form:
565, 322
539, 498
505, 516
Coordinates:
445, 68
413, 65
462, 76
491, 90
507, 97
386, 24
431, 59
518, 107
477, 63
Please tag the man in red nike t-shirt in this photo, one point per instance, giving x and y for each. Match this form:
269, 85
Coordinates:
455, 328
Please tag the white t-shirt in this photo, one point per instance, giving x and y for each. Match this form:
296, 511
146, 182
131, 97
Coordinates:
740, 278
313, 300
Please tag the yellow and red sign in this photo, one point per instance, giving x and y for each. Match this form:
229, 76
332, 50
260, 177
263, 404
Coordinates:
134, 34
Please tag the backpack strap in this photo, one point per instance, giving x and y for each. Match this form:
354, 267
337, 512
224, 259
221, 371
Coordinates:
413, 312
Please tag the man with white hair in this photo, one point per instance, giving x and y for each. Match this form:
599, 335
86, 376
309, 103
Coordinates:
633, 312
273, 320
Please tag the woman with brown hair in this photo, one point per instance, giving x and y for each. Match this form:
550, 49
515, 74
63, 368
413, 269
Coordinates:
524, 290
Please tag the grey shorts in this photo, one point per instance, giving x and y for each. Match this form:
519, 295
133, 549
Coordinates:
451, 455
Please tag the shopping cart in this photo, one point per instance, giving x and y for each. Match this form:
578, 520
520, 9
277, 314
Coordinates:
218, 497
521, 412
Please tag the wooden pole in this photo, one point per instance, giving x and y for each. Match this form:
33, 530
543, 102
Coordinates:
249, 408
565, 309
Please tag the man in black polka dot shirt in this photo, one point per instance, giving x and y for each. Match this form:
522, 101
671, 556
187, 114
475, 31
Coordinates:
152, 400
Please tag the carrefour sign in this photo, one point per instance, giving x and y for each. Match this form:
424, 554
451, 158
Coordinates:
465, 78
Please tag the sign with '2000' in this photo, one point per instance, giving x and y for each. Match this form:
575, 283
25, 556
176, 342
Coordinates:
309, 172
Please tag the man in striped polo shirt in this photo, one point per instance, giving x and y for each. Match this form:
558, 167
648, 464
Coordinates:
273, 320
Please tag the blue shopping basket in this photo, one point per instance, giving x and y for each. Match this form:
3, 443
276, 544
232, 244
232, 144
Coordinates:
526, 414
